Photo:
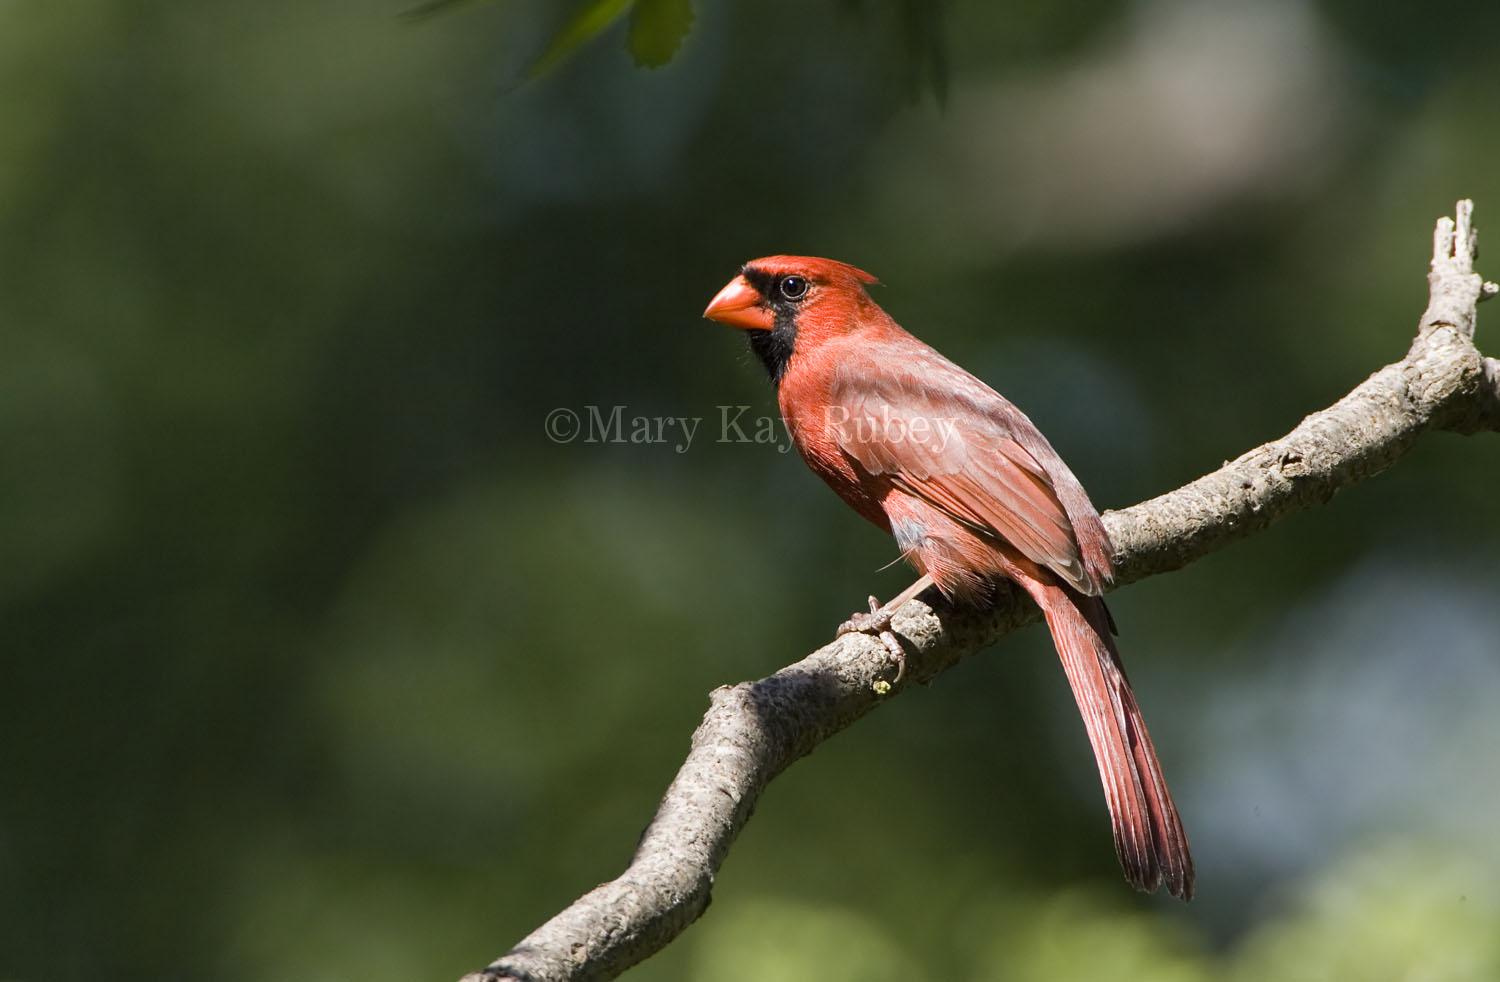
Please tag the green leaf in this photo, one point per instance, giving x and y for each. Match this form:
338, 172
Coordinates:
657, 28
591, 20
432, 8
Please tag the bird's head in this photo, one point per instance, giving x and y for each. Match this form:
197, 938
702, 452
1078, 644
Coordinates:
782, 288
793, 303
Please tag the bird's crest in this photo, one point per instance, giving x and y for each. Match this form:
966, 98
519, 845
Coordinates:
814, 266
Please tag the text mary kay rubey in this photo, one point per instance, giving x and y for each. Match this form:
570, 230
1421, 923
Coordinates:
735, 424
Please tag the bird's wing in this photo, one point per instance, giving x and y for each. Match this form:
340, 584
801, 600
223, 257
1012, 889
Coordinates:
946, 438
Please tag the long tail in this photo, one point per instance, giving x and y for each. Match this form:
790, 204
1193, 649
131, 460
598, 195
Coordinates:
1152, 847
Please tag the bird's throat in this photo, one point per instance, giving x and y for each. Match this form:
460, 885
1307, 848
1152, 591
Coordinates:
774, 347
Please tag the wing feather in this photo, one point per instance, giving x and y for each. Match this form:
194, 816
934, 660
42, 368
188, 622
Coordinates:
945, 437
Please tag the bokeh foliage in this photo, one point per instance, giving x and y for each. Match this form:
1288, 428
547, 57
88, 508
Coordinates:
322, 661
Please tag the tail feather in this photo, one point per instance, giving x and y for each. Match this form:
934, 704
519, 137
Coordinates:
1149, 839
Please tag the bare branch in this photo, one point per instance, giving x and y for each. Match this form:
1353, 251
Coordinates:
755, 730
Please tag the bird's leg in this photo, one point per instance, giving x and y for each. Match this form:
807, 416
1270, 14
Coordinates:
879, 618
878, 623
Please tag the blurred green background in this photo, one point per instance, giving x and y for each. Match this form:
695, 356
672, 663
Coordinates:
322, 661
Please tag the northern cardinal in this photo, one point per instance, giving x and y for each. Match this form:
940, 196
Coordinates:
972, 491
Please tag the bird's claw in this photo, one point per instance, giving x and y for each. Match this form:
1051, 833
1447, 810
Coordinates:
878, 623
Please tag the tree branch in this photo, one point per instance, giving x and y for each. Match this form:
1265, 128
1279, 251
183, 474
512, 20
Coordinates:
755, 730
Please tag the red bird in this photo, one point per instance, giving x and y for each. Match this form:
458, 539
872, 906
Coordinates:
972, 491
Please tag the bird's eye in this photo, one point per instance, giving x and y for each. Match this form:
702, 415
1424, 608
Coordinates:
793, 287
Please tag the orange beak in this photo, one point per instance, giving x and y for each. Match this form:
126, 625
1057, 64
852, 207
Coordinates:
740, 305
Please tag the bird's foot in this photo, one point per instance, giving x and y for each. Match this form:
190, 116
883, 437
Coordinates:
878, 623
